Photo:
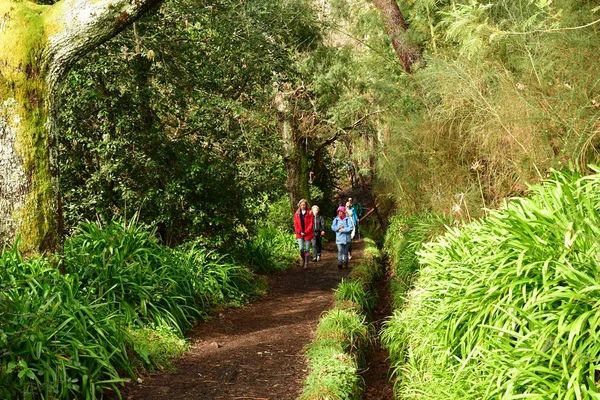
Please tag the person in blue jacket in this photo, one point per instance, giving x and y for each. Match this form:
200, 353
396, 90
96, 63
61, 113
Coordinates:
342, 226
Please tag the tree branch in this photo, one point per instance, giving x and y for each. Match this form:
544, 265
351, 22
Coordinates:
75, 27
336, 136
568, 28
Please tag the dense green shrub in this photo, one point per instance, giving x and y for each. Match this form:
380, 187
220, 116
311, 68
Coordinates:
174, 119
507, 307
57, 339
125, 264
359, 290
345, 326
122, 304
270, 250
355, 293
403, 239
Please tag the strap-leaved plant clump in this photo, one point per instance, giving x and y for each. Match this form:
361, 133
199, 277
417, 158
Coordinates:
507, 307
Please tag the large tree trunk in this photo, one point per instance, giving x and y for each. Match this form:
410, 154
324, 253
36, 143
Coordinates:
38, 44
396, 28
295, 154
296, 168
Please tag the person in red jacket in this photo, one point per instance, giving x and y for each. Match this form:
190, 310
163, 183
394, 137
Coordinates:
303, 225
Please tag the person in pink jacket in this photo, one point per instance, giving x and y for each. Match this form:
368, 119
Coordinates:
304, 228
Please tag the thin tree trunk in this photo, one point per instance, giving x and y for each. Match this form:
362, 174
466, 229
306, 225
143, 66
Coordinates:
373, 201
38, 46
396, 28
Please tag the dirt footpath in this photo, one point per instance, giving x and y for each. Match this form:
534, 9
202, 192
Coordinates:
255, 352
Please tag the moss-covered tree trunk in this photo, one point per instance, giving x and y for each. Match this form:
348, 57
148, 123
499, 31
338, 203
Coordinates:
38, 44
296, 167
295, 153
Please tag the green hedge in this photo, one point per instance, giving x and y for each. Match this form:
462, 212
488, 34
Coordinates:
507, 307
402, 241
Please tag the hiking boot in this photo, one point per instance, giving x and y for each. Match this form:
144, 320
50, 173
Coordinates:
345, 264
318, 258
315, 259
349, 256
340, 266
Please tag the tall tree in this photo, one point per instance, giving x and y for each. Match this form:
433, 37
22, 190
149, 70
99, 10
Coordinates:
295, 155
39, 45
397, 28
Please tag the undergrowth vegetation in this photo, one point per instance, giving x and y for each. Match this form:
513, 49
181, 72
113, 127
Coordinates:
506, 307
403, 239
122, 304
270, 250
125, 265
343, 335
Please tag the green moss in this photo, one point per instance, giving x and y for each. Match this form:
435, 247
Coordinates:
38, 219
23, 30
22, 78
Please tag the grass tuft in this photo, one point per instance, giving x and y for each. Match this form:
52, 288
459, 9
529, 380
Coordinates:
343, 335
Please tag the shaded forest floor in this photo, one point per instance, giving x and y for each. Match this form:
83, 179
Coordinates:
255, 352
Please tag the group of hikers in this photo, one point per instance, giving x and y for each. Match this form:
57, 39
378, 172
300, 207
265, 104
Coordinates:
309, 226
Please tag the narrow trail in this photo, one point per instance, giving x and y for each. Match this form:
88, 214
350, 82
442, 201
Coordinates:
377, 384
255, 352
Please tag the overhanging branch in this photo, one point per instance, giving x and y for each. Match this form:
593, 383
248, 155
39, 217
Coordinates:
349, 128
